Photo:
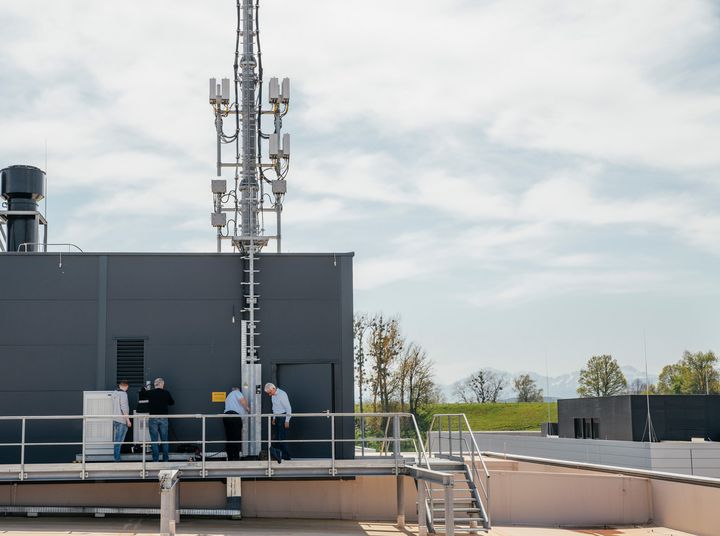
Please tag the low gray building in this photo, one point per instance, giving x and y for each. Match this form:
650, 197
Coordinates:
674, 417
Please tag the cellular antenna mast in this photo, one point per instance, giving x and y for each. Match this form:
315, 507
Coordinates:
252, 178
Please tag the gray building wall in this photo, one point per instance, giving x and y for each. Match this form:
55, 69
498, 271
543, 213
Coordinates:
60, 319
674, 417
613, 413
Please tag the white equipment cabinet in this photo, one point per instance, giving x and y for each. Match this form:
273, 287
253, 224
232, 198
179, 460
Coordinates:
98, 433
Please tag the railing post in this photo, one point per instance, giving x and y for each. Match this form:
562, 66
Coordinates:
450, 446
204, 472
145, 431
396, 435
460, 427
22, 450
84, 426
269, 444
332, 445
362, 436
400, 483
487, 497
439, 437
422, 512
449, 513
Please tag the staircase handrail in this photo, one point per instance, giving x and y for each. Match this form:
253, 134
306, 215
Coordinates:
474, 450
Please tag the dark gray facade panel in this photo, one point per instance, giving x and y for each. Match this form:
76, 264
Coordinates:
55, 322
152, 277
46, 368
612, 412
175, 321
48, 277
64, 323
305, 329
301, 278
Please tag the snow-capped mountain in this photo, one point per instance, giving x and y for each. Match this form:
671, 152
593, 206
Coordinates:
562, 386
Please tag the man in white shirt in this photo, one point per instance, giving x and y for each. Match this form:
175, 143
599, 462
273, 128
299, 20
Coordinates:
281, 422
235, 404
121, 420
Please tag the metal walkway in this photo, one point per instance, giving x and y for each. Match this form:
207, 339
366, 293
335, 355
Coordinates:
448, 468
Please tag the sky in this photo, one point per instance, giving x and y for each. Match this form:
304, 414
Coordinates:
521, 182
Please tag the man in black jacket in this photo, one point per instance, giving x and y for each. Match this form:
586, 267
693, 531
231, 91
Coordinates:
159, 399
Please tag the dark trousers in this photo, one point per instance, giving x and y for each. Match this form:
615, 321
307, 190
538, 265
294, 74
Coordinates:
233, 432
281, 435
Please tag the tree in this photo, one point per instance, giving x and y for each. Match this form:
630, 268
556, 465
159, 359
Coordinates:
462, 391
640, 387
601, 377
480, 387
384, 346
360, 326
526, 389
414, 378
693, 374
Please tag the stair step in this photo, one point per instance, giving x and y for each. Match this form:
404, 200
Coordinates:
466, 530
457, 500
458, 519
469, 510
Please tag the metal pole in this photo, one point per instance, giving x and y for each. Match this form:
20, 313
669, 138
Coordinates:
144, 420
450, 446
449, 513
400, 482
422, 513
278, 211
84, 424
362, 436
460, 427
169, 515
22, 450
269, 443
396, 435
332, 445
248, 80
203, 473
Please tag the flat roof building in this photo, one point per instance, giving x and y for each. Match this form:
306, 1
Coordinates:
624, 417
81, 322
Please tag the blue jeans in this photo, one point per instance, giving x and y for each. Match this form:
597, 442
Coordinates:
158, 428
281, 435
119, 431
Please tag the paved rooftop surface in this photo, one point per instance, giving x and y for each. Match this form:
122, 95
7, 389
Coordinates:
277, 527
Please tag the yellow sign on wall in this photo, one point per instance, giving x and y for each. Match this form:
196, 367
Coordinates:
218, 396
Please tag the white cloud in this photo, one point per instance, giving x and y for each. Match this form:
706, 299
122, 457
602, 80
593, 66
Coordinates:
447, 142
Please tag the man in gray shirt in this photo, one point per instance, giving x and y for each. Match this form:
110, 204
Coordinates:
121, 419
281, 422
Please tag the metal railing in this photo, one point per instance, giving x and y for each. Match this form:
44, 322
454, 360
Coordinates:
466, 446
208, 447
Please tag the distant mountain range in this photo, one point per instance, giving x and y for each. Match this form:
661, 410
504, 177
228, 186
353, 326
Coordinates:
563, 386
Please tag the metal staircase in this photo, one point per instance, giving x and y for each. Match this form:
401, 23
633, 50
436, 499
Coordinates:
463, 506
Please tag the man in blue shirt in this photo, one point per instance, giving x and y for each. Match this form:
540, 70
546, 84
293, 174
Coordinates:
235, 404
281, 422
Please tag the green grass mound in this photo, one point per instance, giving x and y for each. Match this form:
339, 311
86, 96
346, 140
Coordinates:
501, 416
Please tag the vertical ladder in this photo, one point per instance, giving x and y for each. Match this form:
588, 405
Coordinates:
251, 370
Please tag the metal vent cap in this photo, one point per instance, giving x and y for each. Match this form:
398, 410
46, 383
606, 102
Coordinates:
17, 182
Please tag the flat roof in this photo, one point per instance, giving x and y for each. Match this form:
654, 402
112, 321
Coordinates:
282, 527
